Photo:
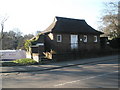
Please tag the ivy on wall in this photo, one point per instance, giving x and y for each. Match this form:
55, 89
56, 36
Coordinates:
28, 43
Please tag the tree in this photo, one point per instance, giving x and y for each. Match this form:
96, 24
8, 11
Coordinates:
9, 40
2, 21
23, 40
109, 21
18, 38
14, 39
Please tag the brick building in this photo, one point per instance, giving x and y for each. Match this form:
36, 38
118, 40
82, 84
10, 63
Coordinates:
67, 35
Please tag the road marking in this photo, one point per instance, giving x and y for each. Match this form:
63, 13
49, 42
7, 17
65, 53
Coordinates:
70, 82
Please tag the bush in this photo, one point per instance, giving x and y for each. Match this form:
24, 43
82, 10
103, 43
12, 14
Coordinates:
25, 61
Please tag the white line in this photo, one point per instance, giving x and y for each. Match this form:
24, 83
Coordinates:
83, 79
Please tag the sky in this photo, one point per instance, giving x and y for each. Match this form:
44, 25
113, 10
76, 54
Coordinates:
30, 16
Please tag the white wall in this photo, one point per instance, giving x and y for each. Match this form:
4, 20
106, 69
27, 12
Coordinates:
12, 54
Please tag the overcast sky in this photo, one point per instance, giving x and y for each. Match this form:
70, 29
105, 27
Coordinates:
32, 15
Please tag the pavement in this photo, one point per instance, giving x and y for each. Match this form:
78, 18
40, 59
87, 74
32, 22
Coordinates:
55, 65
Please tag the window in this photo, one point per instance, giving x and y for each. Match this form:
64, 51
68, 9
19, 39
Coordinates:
40, 44
95, 38
59, 38
85, 38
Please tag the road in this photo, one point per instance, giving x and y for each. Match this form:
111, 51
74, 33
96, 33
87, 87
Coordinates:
96, 75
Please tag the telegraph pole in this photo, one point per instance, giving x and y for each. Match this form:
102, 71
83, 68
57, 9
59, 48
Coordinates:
1, 34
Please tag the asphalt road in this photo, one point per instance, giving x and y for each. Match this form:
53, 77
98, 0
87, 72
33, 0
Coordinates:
97, 75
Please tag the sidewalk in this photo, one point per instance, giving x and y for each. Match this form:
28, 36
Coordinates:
56, 65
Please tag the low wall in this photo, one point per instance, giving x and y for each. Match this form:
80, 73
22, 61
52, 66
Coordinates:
35, 57
12, 54
28, 55
83, 54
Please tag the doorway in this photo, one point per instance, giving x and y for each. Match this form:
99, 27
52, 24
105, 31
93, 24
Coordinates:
74, 41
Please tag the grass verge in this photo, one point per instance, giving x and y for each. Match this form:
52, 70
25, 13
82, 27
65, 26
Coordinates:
20, 62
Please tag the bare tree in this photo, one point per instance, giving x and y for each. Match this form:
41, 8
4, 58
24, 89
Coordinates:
2, 28
109, 20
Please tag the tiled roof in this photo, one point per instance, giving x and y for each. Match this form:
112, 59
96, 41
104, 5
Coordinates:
69, 25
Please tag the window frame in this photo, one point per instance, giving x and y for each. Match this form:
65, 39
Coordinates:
85, 40
59, 39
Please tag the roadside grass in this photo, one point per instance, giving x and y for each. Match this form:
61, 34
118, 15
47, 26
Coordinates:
19, 62
10, 63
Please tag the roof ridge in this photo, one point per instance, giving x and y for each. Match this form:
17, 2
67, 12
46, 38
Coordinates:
57, 17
